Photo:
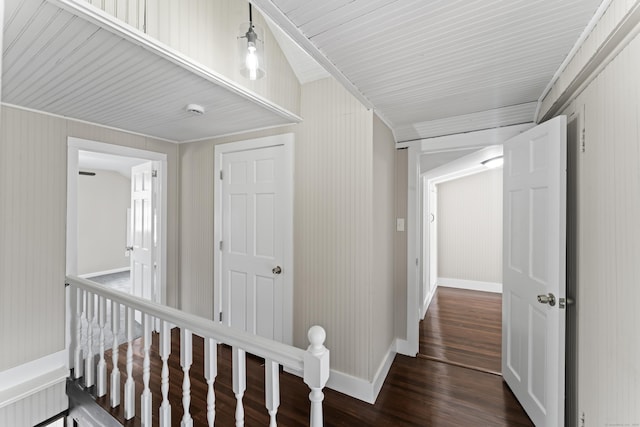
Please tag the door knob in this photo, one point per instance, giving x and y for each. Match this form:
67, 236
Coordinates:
276, 270
129, 248
547, 299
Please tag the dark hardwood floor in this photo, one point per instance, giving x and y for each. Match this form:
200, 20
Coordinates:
417, 392
465, 328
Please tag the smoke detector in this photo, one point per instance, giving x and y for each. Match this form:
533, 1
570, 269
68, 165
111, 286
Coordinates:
196, 109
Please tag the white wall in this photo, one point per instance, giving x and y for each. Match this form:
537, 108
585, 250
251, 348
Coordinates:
470, 227
608, 244
400, 244
382, 310
33, 159
606, 235
103, 200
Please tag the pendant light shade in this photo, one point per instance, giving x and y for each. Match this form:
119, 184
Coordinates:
251, 49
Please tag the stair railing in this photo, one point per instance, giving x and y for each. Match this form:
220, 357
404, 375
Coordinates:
89, 305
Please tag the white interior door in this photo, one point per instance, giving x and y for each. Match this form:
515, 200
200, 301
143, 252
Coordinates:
533, 318
143, 234
253, 240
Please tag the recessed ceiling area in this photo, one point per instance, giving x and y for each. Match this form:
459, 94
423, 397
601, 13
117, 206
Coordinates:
432, 67
79, 62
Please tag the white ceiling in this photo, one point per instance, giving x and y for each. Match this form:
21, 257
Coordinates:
78, 62
428, 67
435, 67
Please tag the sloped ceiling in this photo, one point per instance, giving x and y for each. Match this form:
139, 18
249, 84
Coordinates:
68, 58
436, 67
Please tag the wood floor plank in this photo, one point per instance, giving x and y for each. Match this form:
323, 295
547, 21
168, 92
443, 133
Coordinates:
464, 327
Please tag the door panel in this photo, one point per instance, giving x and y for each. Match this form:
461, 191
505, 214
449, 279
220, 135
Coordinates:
534, 265
252, 224
143, 231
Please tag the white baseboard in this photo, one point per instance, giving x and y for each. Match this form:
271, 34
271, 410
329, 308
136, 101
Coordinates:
359, 388
32, 377
472, 285
103, 273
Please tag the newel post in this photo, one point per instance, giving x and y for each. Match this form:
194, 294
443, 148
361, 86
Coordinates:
316, 372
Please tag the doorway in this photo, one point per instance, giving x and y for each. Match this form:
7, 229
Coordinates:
462, 255
253, 260
102, 215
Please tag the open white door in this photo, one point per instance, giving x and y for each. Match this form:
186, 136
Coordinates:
143, 227
256, 204
533, 300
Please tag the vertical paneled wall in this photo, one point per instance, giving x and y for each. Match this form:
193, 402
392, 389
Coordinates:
382, 293
608, 242
207, 31
400, 244
33, 170
333, 225
470, 227
196, 228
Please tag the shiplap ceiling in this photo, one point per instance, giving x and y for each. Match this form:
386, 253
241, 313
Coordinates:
435, 67
75, 61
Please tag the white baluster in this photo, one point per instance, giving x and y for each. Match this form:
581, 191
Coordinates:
77, 360
115, 372
129, 385
165, 351
272, 389
89, 368
316, 372
185, 361
210, 373
239, 382
145, 399
101, 374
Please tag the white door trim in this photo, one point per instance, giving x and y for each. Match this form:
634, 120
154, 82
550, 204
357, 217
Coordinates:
74, 145
287, 141
480, 139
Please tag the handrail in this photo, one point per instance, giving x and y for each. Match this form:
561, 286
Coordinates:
89, 312
286, 355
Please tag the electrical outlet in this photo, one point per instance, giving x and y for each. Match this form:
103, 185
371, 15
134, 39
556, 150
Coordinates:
582, 420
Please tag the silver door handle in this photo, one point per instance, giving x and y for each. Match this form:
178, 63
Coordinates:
276, 270
129, 248
547, 299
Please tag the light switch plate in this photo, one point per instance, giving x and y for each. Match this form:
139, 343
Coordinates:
399, 224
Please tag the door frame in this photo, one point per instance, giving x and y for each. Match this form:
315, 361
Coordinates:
74, 145
287, 141
479, 139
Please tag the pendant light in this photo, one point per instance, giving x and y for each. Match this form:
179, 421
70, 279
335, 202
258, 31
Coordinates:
251, 49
